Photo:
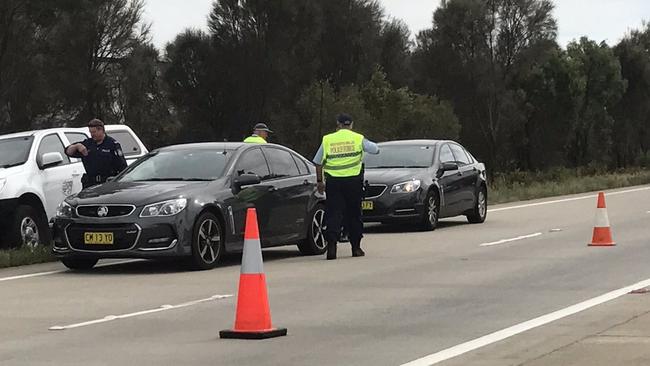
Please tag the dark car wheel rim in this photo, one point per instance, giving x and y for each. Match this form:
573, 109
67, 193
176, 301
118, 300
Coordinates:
29, 232
209, 241
432, 210
482, 204
317, 229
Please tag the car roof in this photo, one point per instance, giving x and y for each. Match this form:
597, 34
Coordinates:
204, 146
46, 131
411, 142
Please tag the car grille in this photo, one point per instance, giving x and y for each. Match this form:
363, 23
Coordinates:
110, 210
374, 190
125, 236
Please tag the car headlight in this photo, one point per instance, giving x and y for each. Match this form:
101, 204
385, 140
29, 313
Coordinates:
64, 210
406, 187
167, 208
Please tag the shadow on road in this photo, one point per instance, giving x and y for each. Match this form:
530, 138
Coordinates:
146, 267
409, 228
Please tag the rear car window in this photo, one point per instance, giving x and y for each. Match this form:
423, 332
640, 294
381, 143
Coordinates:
74, 137
130, 147
281, 162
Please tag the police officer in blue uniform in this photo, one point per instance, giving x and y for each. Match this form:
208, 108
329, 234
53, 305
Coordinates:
101, 155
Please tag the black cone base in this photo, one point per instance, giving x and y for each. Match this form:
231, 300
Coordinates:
263, 334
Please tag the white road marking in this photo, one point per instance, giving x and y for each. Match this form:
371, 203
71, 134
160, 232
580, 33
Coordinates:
500, 335
503, 241
567, 200
19, 277
109, 318
555, 230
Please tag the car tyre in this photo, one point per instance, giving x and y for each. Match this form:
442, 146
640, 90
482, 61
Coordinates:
479, 212
207, 242
431, 212
28, 227
79, 263
315, 243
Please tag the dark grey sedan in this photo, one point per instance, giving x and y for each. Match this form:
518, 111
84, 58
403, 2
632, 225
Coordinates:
420, 181
189, 201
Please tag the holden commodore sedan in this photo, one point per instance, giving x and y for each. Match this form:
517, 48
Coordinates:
420, 181
189, 201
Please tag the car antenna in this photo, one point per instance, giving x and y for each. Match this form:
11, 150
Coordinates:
224, 146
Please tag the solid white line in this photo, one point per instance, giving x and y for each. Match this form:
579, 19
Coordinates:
567, 200
477, 343
109, 318
503, 241
20, 277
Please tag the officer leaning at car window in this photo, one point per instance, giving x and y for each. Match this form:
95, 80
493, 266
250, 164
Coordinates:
260, 134
100, 154
340, 160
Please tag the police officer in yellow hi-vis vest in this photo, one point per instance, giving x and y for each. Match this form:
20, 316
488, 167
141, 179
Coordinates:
340, 158
260, 134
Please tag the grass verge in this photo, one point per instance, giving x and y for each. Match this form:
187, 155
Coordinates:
24, 256
519, 186
510, 187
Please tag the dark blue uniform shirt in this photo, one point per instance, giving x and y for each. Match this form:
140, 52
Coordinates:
104, 160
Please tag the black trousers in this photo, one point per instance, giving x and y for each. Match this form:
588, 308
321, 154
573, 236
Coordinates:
88, 181
343, 203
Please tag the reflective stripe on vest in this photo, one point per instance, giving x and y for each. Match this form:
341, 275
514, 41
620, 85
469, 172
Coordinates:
343, 153
255, 140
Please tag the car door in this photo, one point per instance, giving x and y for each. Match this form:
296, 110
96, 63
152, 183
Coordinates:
450, 184
76, 165
57, 180
261, 196
468, 177
293, 189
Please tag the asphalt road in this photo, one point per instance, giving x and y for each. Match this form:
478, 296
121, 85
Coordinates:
414, 294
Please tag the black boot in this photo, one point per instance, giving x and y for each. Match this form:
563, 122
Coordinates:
331, 250
356, 249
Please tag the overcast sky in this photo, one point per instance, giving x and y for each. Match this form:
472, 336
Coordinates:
600, 20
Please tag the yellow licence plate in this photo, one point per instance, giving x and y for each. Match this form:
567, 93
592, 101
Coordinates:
367, 205
98, 238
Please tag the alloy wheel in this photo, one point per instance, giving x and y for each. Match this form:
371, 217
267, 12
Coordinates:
209, 241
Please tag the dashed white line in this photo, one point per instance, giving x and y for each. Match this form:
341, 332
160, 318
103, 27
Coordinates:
109, 318
477, 343
503, 241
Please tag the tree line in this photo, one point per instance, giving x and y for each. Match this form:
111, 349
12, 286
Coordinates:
488, 73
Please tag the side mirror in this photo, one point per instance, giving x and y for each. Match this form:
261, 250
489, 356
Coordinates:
50, 159
447, 167
246, 180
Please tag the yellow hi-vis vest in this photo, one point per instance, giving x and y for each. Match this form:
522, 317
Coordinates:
254, 139
343, 153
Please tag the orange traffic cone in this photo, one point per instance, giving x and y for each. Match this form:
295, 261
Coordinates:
253, 316
602, 233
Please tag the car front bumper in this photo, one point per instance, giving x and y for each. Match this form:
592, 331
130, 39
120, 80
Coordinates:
395, 207
136, 238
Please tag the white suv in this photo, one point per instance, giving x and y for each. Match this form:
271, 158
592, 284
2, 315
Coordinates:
36, 175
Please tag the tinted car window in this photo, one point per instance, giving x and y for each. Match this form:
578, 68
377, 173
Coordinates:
253, 162
281, 162
302, 167
446, 156
183, 165
15, 151
52, 143
414, 156
130, 147
75, 137
459, 154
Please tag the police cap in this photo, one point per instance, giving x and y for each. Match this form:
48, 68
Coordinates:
344, 119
